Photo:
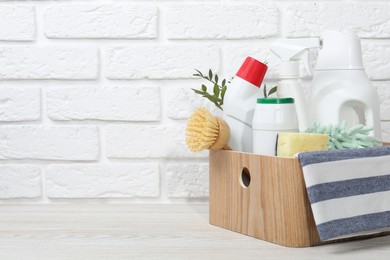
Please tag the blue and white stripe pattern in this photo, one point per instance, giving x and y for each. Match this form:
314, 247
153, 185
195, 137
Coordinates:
349, 190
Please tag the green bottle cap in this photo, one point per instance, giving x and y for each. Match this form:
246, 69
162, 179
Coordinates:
275, 101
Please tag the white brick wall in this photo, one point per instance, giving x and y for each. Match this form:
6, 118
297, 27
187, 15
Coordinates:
181, 101
20, 181
17, 23
375, 58
188, 180
94, 94
20, 104
49, 142
48, 62
221, 21
147, 141
367, 18
159, 61
384, 96
105, 103
102, 181
101, 21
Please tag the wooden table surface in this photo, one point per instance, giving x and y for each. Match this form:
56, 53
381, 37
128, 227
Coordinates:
138, 231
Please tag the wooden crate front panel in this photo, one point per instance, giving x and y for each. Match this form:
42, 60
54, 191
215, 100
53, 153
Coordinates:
274, 207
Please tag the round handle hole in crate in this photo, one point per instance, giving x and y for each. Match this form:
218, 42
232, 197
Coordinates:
245, 178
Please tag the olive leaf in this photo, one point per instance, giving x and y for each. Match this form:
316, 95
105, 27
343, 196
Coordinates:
216, 90
219, 91
270, 92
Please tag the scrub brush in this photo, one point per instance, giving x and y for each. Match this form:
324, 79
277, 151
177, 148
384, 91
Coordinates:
205, 131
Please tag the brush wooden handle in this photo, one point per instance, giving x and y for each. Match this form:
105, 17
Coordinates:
223, 137
227, 147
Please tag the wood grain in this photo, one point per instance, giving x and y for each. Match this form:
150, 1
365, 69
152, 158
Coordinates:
136, 231
220, 194
274, 207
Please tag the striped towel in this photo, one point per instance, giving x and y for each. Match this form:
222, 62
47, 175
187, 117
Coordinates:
349, 190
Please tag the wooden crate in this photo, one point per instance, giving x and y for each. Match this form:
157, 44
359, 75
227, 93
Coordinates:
274, 206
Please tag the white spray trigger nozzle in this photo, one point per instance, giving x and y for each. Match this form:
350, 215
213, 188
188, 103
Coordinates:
304, 56
295, 49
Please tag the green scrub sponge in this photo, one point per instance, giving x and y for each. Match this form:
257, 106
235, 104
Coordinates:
341, 137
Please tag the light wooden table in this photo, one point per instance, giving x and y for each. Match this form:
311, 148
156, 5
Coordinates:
128, 231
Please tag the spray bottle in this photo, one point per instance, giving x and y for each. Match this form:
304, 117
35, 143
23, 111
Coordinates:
341, 90
290, 51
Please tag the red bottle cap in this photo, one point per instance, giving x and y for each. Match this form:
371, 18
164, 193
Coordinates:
252, 71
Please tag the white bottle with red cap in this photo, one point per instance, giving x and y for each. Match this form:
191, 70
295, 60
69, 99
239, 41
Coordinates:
240, 101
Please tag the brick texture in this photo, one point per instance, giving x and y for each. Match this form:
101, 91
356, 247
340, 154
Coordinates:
19, 104
383, 89
20, 181
182, 101
367, 19
111, 103
49, 142
221, 21
147, 141
17, 23
48, 62
101, 21
102, 181
376, 60
159, 61
188, 180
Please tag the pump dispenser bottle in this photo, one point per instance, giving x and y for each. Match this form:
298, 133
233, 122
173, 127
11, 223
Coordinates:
341, 90
290, 51
240, 101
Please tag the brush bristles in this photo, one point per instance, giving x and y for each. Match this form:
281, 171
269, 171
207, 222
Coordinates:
202, 130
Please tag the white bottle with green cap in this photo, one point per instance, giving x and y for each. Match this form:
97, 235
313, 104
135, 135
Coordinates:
272, 115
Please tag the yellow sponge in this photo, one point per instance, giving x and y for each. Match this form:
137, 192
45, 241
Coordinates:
290, 144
